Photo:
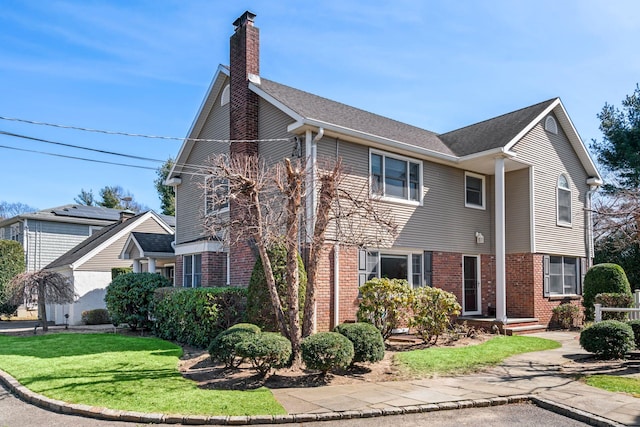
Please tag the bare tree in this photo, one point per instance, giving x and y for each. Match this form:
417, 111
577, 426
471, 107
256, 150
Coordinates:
50, 287
266, 205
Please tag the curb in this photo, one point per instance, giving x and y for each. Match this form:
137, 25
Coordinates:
155, 418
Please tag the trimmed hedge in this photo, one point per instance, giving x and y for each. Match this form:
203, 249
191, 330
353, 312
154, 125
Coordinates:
635, 327
602, 278
223, 347
266, 351
129, 297
98, 316
195, 316
612, 299
325, 351
609, 339
259, 307
368, 345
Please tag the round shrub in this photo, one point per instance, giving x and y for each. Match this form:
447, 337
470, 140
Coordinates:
129, 297
602, 278
259, 307
609, 339
327, 350
635, 326
266, 351
98, 316
384, 303
368, 345
223, 347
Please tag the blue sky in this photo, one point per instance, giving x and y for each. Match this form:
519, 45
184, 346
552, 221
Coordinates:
144, 67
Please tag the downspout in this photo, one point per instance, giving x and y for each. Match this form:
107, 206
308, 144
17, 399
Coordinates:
336, 285
589, 236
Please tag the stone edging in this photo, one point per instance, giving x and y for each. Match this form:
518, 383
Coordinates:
140, 417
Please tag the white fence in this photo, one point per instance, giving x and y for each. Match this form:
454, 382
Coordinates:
634, 313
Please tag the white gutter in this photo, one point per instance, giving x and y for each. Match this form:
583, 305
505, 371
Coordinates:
311, 151
593, 187
336, 285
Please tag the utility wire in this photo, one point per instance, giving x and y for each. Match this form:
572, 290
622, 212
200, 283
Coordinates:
31, 138
13, 119
76, 158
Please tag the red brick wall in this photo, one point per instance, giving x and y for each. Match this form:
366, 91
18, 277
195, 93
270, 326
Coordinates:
488, 283
178, 271
241, 259
520, 285
214, 269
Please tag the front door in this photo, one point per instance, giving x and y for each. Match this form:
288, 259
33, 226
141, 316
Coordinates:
471, 285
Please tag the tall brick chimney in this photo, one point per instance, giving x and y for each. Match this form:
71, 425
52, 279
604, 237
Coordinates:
244, 60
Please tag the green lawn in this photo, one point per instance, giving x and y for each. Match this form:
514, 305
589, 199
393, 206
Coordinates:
120, 372
460, 360
616, 384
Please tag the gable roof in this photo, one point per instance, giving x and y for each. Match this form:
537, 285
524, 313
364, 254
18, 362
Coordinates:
153, 242
101, 239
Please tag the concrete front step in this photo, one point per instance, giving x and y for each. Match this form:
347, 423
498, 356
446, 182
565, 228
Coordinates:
521, 330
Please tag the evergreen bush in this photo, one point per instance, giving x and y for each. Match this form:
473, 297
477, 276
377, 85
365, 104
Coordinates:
195, 316
566, 315
432, 310
635, 326
259, 307
325, 351
266, 351
11, 264
609, 339
98, 316
613, 299
384, 304
129, 297
223, 347
602, 278
368, 345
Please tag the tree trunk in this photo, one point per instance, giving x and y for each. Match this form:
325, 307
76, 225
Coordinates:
42, 307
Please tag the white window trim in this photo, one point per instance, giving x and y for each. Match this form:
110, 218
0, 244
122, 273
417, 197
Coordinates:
484, 191
392, 199
550, 125
559, 222
207, 194
577, 271
225, 98
397, 252
192, 271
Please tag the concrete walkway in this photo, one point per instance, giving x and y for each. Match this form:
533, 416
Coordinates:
542, 377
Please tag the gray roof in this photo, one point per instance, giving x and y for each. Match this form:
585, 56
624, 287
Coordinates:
154, 242
493, 133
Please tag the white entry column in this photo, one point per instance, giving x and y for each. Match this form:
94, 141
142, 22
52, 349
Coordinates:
152, 265
501, 296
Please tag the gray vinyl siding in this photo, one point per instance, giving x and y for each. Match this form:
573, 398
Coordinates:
49, 240
517, 212
551, 156
108, 258
273, 125
189, 195
442, 223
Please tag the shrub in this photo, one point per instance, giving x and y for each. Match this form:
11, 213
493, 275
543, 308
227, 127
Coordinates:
612, 299
635, 326
602, 278
129, 297
368, 345
432, 310
609, 339
566, 315
259, 307
266, 351
327, 350
223, 347
98, 316
195, 316
116, 271
384, 303
11, 264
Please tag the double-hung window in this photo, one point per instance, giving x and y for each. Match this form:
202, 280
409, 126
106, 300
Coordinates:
474, 190
216, 195
564, 201
563, 275
395, 177
407, 266
192, 271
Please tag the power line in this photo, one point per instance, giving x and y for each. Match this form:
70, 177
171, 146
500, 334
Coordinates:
77, 158
138, 135
31, 138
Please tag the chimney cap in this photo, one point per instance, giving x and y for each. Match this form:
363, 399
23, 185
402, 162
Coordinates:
244, 19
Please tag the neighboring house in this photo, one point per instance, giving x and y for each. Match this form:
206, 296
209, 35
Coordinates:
141, 241
496, 212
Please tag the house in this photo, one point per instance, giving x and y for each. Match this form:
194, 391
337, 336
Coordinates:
496, 212
143, 242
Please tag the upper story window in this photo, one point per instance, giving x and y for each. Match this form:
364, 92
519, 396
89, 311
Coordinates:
550, 125
14, 232
395, 177
215, 195
226, 95
192, 268
564, 201
474, 185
